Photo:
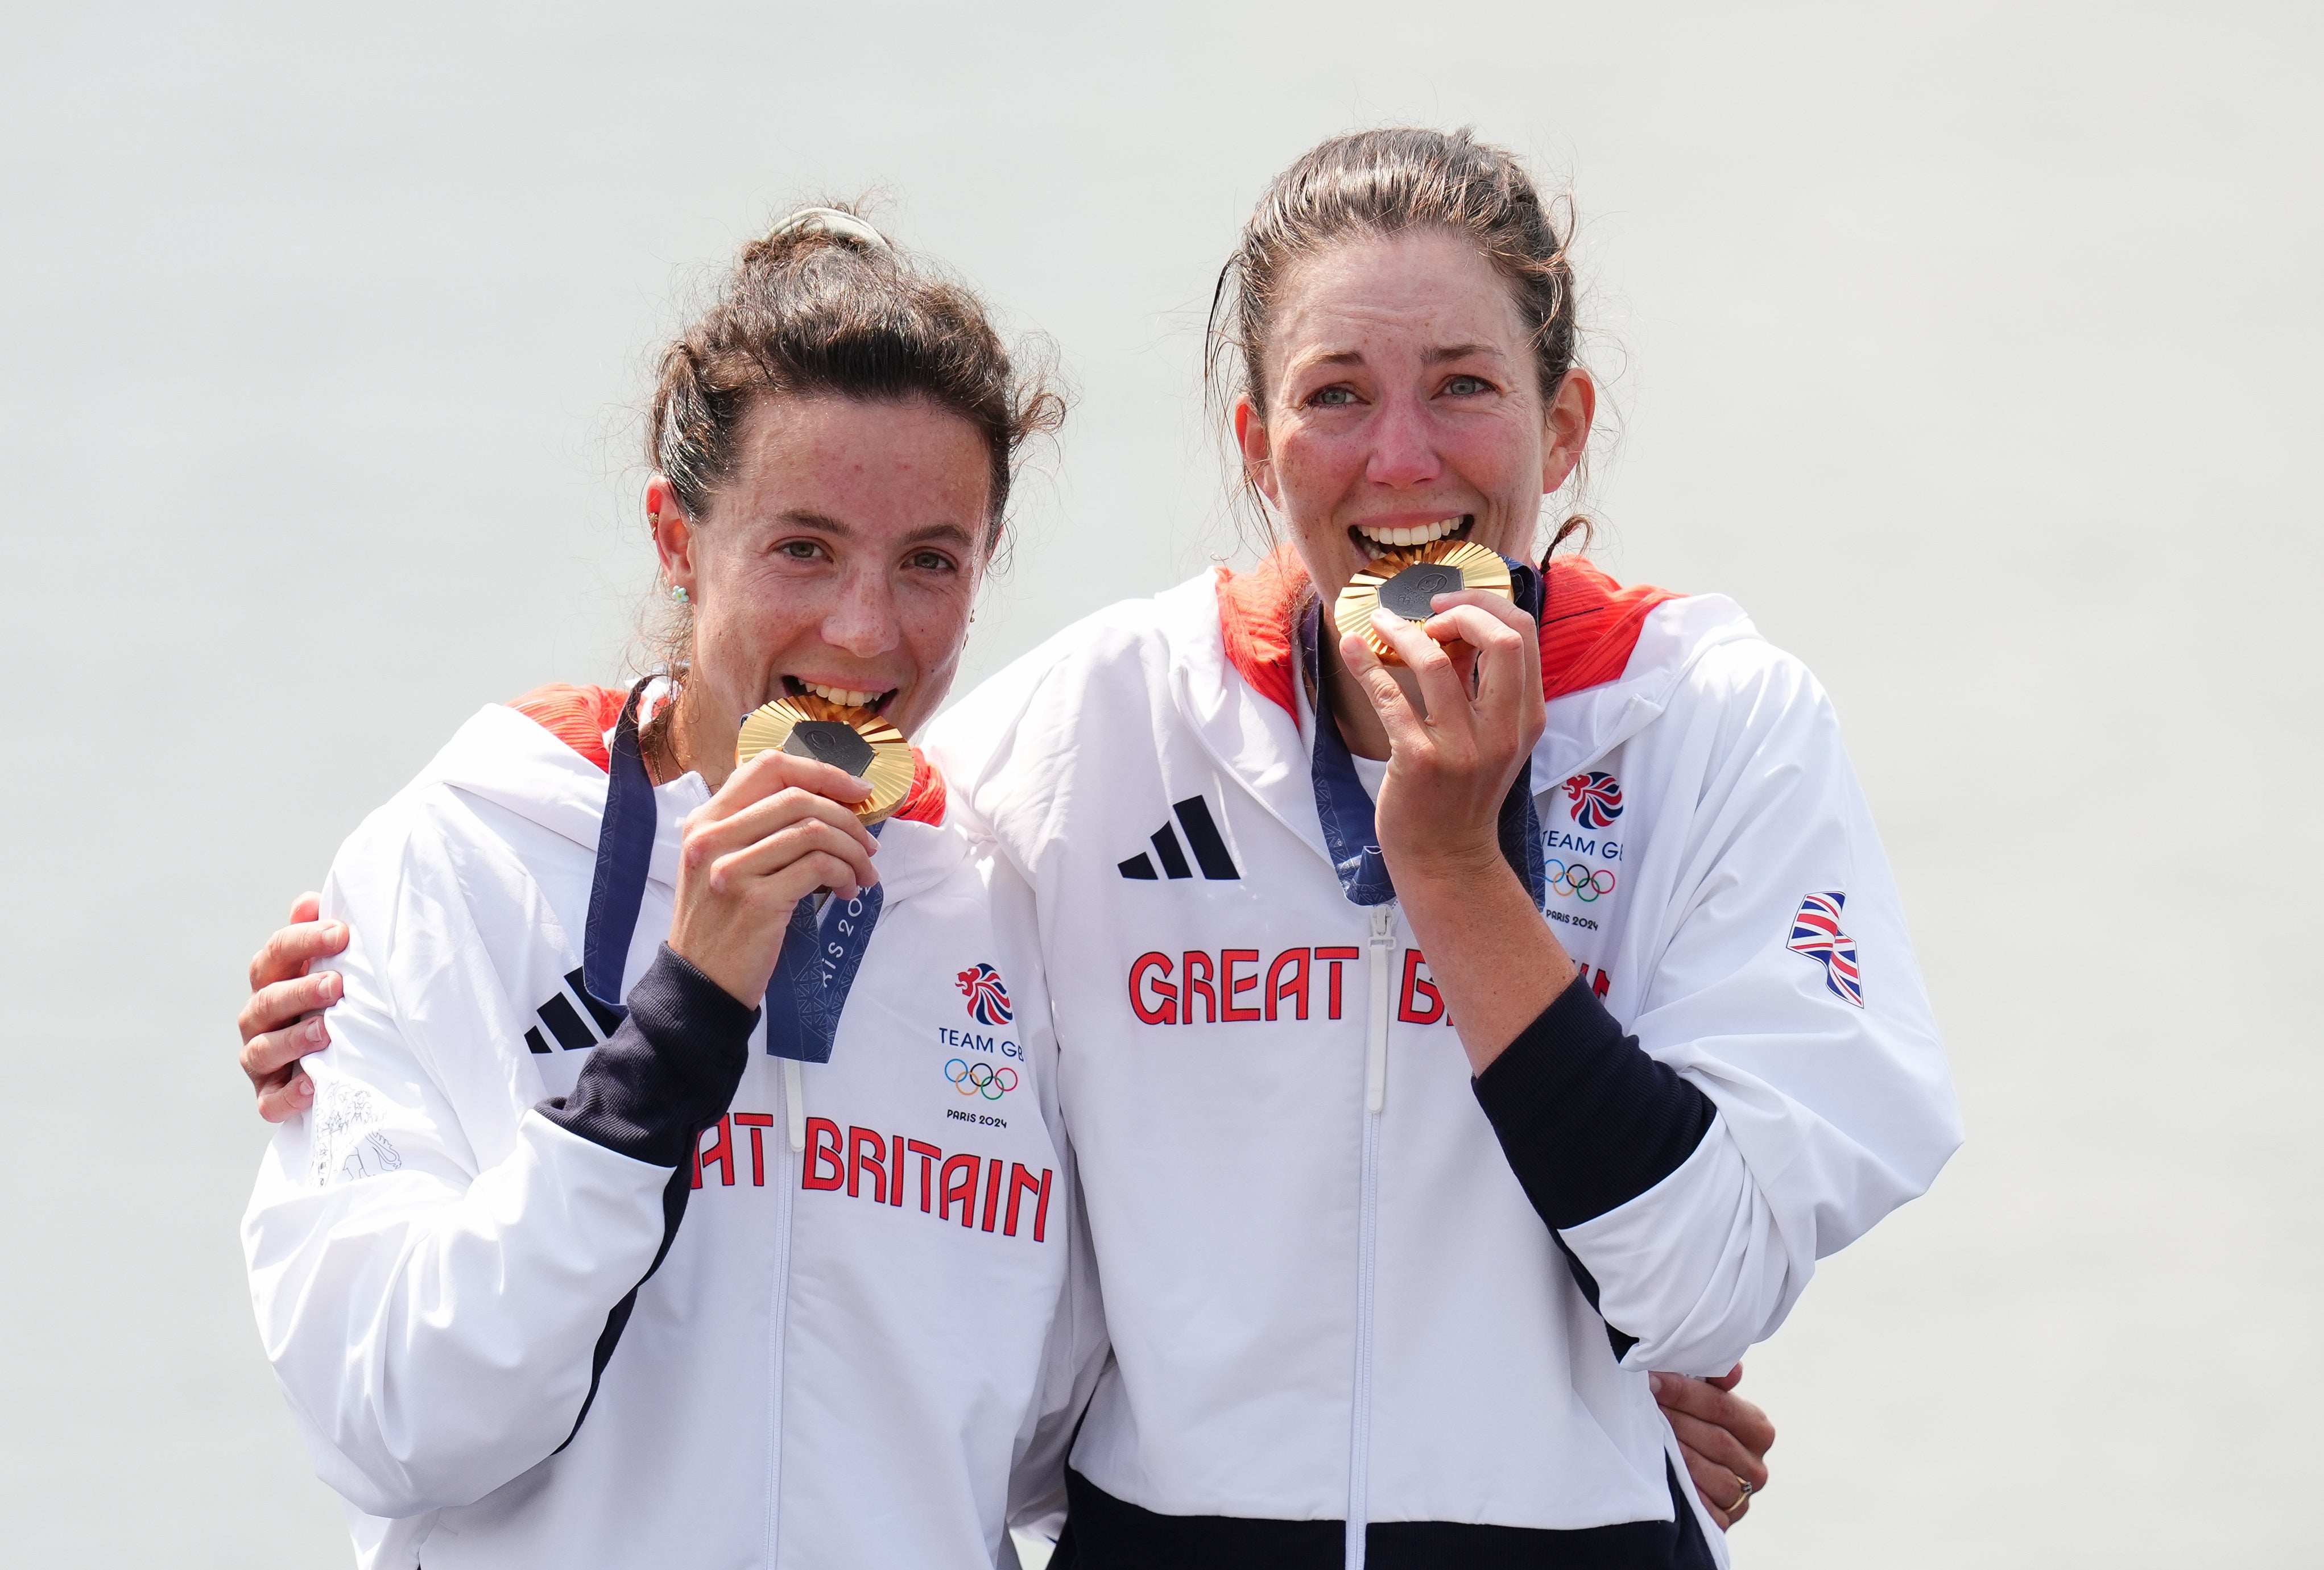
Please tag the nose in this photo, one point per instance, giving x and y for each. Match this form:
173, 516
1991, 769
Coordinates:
864, 620
1403, 450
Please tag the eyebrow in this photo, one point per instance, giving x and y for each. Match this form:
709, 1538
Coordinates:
1433, 357
824, 523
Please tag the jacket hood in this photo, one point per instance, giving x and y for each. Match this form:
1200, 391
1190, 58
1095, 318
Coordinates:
545, 758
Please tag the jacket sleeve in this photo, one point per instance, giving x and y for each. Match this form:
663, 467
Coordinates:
1777, 1093
439, 1270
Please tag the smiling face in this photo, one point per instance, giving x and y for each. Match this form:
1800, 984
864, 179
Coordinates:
842, 556
1405, 405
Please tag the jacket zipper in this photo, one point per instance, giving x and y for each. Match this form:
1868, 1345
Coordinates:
795, 1117
1359, 1435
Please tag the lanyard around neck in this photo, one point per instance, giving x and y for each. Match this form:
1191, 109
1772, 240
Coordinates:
819, 958
1351, 834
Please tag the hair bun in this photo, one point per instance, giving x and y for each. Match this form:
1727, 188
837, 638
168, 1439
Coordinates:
831, 220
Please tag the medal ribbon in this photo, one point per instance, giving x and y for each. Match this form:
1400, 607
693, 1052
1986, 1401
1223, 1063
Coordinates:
1350, 833
818, 961
625, 838
814, 970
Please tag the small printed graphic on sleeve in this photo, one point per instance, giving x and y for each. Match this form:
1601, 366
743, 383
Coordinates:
1209, 847
1816, 933
345, 1138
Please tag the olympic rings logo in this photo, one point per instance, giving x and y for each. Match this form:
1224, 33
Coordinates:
1580, 882
980, 1079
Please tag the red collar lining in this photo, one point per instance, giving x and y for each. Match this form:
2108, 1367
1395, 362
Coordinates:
580, 717
1589, 626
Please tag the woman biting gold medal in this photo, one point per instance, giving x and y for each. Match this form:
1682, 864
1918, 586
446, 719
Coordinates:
854, 740
1406, 582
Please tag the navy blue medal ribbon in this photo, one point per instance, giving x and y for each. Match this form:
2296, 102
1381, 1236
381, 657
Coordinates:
819, 958
1342, 803
1350, 830
813, 973
625, 838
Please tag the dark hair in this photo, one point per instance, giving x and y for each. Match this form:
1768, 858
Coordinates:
1379, 183
823, 304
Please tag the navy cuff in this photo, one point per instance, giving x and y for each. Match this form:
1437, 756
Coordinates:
1587, 1118
668, 1073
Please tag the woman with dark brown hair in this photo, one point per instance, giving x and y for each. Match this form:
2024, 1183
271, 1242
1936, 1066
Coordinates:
642, 1214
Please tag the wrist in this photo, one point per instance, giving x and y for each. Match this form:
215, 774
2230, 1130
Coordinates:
1461, 867
716, 964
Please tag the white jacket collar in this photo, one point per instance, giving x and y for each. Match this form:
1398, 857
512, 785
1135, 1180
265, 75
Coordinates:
503, 758
1254, 741
1250, 736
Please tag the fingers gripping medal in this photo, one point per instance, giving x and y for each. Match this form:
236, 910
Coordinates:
854, 740
1403, 582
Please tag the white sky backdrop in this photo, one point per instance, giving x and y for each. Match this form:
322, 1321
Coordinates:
1972, 348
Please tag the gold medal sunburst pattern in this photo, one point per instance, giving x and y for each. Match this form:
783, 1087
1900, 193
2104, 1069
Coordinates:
1403, 582
855, 740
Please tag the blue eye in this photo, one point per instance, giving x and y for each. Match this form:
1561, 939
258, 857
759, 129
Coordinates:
1468, 386
1336, 396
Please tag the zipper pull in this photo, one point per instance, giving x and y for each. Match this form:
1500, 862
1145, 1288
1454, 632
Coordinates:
794, 1104
1383, 944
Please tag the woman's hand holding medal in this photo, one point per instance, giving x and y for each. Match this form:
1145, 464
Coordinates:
779, 829
1477, 666
1453, 754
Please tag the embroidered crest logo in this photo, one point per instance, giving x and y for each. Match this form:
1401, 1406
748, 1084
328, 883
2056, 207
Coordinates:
1595, 798
1816, 933
988, 999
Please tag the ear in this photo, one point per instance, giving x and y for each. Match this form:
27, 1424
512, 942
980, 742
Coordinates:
1570, 413
673, 532
1258, 453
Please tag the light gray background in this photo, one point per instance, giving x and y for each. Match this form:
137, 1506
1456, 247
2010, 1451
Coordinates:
1972, 348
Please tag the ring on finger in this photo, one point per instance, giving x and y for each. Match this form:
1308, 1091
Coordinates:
1742, 1497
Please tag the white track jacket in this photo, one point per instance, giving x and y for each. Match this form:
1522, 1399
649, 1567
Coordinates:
1347, 1286
855, 1272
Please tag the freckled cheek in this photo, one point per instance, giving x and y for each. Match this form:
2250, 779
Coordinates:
1313, 471
934, 630
1500, 464
757, 632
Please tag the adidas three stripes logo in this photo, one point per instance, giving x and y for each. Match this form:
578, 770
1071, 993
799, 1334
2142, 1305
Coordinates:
564, 1021
1203, 835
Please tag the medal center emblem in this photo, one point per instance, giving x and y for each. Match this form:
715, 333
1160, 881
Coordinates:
1407, 593
830, 741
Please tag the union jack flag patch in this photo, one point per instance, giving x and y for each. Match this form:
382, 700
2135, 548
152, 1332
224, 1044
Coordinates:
1815, 932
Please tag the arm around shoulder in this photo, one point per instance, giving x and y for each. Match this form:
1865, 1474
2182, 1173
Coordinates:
431, 1261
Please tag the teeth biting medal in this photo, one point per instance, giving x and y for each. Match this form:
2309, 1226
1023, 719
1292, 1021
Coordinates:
1403, 582
854, 740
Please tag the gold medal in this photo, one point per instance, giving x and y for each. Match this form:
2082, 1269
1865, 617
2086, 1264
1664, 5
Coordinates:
1404, 581
854, 740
